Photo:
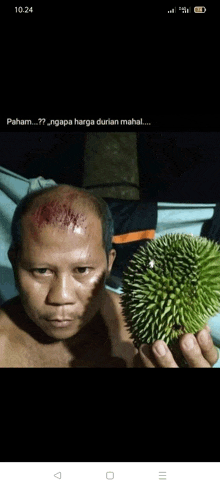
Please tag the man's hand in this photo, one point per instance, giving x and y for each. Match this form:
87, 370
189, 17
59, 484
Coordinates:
198, 351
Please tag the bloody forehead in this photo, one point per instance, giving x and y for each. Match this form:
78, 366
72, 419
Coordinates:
57, 213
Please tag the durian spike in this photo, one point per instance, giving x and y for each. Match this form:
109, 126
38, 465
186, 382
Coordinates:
171, 287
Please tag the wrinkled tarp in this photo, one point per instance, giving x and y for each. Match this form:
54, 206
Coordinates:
13, 188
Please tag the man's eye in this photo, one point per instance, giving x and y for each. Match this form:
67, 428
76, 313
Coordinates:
41, 271
82, 270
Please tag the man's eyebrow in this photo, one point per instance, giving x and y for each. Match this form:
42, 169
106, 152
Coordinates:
80, 261
31, 263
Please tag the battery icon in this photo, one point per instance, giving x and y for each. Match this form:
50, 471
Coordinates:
199, 10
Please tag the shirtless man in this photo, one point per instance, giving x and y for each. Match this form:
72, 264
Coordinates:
60, 264
64, 317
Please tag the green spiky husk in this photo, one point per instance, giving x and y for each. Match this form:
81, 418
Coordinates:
174, 294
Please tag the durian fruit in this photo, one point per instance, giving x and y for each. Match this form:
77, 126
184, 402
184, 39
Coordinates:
170, 287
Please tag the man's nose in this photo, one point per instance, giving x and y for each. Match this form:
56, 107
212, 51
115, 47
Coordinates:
61, 291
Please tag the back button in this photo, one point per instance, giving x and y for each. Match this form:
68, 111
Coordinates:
58, 475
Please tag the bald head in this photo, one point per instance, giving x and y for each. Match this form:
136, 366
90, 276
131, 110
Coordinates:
61, 263
62, 206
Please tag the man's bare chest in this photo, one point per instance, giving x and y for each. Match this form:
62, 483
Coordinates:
92, 347
25, 353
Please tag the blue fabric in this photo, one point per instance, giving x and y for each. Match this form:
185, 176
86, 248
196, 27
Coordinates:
182, 218
13, 188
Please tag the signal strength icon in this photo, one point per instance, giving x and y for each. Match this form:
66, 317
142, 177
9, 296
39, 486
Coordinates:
173, 11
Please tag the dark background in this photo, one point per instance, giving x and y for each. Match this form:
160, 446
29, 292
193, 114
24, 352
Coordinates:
181, 167
56, 156
173, 166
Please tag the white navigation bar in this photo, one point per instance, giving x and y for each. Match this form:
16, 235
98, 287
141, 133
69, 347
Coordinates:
113, 475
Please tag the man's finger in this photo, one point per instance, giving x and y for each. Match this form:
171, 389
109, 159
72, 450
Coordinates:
146, 357
207, 347
163, 355
158, 355
192, 352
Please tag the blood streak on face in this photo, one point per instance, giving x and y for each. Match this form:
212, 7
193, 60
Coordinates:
57, 214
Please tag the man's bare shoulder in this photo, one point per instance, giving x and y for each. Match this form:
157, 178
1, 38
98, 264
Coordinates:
111, 309
8, 313
111, 298
5, 322
18, 348
5, 333
122, 344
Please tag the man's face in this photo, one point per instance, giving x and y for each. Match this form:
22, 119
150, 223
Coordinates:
61, 274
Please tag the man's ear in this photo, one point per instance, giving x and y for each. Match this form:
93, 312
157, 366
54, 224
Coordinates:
12, 256
111, 259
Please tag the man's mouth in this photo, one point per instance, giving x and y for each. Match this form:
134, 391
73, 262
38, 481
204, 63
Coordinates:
60, 319
60, 323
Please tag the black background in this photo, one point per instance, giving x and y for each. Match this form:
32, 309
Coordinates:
174, 166
106, 415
